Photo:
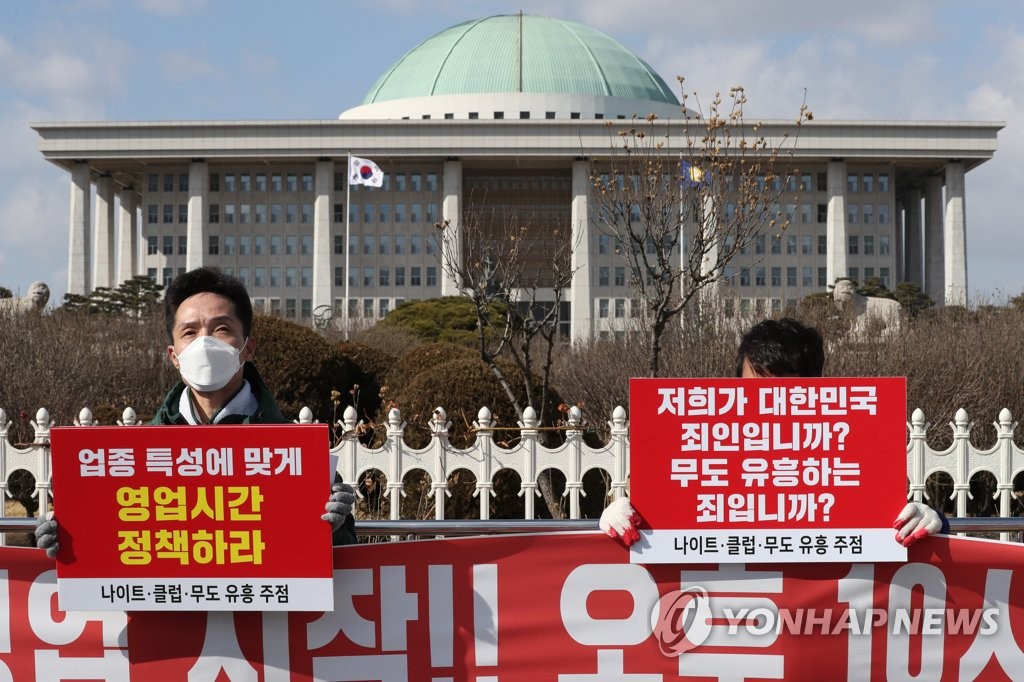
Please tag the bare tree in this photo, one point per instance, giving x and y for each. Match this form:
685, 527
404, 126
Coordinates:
682, 199
515, 272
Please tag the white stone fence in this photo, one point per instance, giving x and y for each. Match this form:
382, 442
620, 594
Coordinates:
528, 458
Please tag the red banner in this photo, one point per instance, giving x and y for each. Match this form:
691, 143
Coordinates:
770, 470
559, 608
182, 519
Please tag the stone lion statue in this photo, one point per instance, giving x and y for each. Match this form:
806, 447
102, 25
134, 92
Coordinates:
870, 314
34, 301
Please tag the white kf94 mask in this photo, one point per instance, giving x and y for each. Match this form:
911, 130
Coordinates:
207, 364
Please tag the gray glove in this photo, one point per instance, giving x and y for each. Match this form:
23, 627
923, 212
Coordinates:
46, 534
339, 505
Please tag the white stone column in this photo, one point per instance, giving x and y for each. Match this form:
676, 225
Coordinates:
913, 253
955, 237
899, 229
323, 280
934, 261
198, 196
709, 295
103, 256
79, 228
835, 228
128, 236
451, 213
581, 300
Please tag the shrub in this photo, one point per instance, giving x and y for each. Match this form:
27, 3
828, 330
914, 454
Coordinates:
450, 319
370, 366
422, 357
300, 367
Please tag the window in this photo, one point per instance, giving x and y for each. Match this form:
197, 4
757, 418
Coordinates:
400, 276
524, 114
729, 275
168, 274
229, 182
151, 273
805, 214
620, 276
307, 244
822, 182
868, 273
415, 241
183, 182
260, 245
414, 276
883, 182
745, 277
368, 211
759, 276
868, 182
305, 276
368, 244
549, 114
243, 275
759, 244
382, 307
805, 182
275, 182
261, 214
182, 246
776, 247
152, 213
431, 276
275, 306
275, 213
602, 276
229, 213
869, 245
229, 245
368, 308
807, 245
275, 245
153, 182
822, 277
384, 277
431, 244
851, 214
353, 213
415, 182
339, 245
307, 182
213, 245
291, 213
851, 182
399, 213
883, 275
854, 273
275, 276
214, 182
414, 213
869, 214
822, 245
620, 307
883, 214
258, 273
244, 182
168, 213
385, 213
290, 274
474, 115
807, 276
499, 114
853, 245
151, 246
574, 114
399, 244
790, 277
432, 213
822, 214
776, 276
306, 308
883, 245
602, 307
261, 182
292, 182
168, 182
244, 213
289, 307
399, 182
291, 244
431, 182
307, 213
368, 275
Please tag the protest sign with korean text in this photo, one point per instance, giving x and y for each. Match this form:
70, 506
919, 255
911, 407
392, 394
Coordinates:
767, 470
203, 518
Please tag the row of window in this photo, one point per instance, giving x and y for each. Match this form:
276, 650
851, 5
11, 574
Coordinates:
620, 307
286, 182
866, 213
382, 276
292, 244
298, 213
773, 276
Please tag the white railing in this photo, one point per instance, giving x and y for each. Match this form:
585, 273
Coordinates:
529, 458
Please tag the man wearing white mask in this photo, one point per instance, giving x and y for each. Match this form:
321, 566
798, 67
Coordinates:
209, 322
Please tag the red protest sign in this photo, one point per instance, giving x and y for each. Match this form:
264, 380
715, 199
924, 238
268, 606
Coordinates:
152, 517
769, 470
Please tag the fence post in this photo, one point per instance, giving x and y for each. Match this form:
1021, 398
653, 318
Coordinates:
528, 446
962, 483
41, 442
128, 418
348, 447
3, 467
1004, 433
395, 428
574, 477
916, 455
620, 452
439, 425
485, 443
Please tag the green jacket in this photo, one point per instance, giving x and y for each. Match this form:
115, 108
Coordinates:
267, 413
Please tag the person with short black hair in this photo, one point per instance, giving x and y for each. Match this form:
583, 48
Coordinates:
209, 325
781, 348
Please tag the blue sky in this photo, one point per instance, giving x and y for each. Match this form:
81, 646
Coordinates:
76, 60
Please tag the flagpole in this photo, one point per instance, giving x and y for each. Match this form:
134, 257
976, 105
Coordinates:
348, 212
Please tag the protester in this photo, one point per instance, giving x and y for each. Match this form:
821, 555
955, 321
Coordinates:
209, 323
781, 348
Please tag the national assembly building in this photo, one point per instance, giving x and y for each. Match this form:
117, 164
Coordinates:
515, 109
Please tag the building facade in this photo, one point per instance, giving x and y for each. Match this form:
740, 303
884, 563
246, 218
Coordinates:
515, 109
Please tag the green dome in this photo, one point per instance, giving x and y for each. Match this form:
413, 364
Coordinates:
520, 53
